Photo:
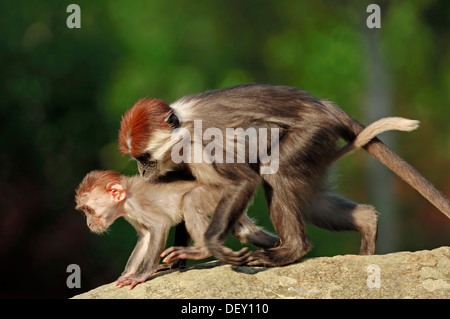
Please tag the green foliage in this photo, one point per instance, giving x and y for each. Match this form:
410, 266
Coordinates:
64, 92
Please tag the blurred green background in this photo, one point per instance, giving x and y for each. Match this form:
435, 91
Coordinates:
63, 92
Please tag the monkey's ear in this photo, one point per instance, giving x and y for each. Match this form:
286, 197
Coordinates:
172, 120
116, 191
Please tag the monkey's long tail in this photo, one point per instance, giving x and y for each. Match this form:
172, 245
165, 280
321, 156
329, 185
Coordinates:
393, 161
378, 127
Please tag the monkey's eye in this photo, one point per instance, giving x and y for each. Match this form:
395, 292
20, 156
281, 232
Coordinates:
144, 158
173, 121
88, 210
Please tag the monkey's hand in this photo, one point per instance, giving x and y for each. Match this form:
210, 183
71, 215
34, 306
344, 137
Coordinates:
125, 274
132, 280
181, 252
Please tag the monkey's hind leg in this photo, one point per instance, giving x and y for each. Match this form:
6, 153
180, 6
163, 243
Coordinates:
334, 213
289, 224
247, 232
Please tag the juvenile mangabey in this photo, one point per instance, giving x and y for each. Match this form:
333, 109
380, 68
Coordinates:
152, 208
309, 131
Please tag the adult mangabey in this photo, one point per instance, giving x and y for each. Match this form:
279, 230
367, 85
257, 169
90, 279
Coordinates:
309, 129
152, 208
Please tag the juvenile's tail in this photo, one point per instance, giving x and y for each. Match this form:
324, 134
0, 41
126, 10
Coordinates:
389, 158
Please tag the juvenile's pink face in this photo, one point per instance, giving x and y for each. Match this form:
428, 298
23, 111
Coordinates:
100, 209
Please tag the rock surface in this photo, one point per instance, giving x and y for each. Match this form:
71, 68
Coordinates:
421, 274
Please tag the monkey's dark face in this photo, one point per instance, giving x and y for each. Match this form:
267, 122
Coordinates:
148, 168
145, 134
156, 160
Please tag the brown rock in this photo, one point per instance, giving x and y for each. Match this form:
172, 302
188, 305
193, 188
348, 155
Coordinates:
421, 274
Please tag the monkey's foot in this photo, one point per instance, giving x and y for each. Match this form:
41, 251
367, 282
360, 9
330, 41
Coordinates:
181, 252
277, 256
173, 264
258, 258
228, 256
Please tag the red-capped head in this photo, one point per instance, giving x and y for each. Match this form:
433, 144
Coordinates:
145, 130
139, 123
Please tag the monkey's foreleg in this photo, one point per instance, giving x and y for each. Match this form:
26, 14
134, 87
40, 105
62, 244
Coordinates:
137, 257
153, 243
229, 210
